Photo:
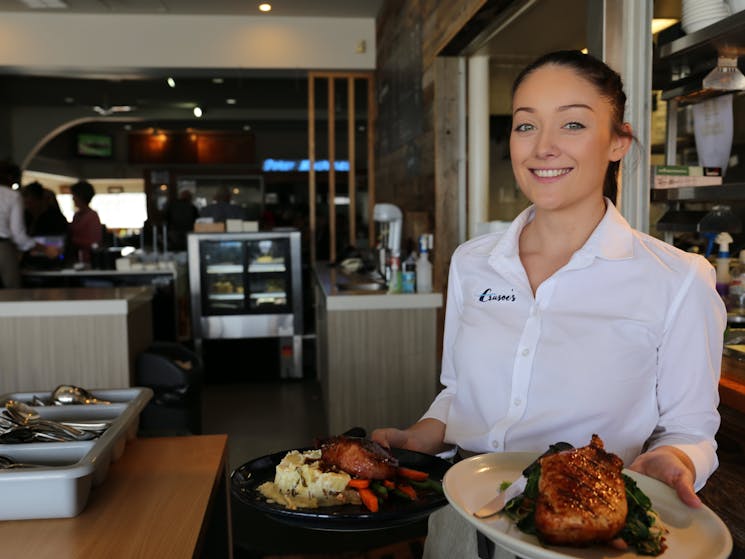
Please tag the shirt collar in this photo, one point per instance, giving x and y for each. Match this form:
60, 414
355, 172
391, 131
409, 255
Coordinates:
612, 239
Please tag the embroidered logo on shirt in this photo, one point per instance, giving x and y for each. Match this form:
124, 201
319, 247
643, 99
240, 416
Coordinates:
488, 296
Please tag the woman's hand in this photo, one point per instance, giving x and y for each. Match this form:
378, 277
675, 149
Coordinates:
425, 436
673, 467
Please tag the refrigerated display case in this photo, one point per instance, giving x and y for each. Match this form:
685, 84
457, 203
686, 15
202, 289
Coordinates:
248, 285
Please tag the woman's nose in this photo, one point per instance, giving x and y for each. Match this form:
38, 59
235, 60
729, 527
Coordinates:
546, 144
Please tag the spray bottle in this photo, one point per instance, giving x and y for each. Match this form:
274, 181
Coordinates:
424, 266
722, 263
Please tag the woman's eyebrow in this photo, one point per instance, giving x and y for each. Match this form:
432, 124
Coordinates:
575, 106
561, 108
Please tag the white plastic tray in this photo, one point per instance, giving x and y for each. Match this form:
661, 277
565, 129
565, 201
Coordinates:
62, 489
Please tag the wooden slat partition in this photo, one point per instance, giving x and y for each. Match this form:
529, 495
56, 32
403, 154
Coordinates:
352, 190
371, 119
312, 166
350, 77
331, 198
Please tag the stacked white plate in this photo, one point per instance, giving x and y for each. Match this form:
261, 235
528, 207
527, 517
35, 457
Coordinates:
697, 14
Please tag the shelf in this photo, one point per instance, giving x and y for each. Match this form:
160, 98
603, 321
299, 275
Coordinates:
225, 269
728, 34
225, 296
726, 192
266, 268
693, 56
269, 295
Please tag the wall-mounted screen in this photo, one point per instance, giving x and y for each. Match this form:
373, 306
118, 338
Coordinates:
95, 145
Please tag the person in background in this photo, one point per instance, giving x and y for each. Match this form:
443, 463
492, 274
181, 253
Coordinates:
221, 209
13, 236
180, 216
85, 231
570, 322
43, 216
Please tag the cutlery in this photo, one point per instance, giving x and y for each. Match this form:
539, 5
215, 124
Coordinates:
518, 486
497, 503
27, 416
68, 394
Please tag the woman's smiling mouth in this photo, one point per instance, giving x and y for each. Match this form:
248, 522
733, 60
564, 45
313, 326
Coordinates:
550, 173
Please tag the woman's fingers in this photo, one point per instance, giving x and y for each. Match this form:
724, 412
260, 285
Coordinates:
672, 467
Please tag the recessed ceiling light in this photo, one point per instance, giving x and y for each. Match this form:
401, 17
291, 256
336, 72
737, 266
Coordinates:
198, 112
265, 7
230, 101
171, 82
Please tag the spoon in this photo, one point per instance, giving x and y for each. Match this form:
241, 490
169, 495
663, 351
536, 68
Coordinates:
68, 394
31, 414
10, 464
27, 416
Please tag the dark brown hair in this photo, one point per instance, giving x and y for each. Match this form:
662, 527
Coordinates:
83, 190
608, 83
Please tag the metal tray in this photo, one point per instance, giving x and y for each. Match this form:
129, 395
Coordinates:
71, 469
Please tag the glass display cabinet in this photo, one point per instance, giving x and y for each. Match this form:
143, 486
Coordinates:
248, 285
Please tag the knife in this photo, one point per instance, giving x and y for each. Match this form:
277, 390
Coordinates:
518, 486
497, 503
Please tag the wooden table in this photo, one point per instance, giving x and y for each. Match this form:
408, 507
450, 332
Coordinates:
165, 498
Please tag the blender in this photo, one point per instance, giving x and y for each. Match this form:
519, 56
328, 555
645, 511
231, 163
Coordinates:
390, 221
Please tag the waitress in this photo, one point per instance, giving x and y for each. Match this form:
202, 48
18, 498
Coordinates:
570, 322
13, 237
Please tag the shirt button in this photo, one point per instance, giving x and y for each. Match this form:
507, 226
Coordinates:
495, 444
526, 351
517, 401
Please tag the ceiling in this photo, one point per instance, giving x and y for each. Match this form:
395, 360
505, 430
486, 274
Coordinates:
287, 8
232, 98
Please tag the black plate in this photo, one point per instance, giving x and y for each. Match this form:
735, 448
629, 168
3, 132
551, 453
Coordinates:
246, 479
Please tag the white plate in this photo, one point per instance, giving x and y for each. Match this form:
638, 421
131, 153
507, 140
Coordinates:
693, 533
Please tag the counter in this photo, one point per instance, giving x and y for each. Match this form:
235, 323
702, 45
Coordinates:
329, 279
376, 354
165, 498
89, 337
171, 320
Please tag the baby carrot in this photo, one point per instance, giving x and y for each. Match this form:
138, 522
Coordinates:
369, 499
407, 490
358, 483
409, 473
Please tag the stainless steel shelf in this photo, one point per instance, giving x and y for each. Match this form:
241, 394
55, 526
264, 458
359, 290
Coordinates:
728, 33
727, 192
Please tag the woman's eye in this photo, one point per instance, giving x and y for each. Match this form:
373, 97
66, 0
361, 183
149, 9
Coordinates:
574, 125
523, 127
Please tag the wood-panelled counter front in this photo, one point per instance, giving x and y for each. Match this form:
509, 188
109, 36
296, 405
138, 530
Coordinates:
88, 336
165, 497
377, 354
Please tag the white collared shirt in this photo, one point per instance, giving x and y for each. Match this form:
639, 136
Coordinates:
624, 341
11, 219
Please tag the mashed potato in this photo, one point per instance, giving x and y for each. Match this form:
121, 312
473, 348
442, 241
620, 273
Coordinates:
300, 483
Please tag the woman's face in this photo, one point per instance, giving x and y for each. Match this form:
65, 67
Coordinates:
562, 139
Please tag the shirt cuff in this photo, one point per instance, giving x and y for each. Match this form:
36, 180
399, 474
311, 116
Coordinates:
704, 459
438, 410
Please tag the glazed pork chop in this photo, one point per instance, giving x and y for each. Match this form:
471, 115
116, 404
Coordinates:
581, 496
362, 458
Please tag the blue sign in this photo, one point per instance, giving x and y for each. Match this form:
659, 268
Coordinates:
302, 165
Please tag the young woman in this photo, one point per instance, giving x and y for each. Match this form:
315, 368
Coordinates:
572, 323
85, 231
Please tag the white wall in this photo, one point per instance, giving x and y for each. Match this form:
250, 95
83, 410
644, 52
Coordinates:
128, 42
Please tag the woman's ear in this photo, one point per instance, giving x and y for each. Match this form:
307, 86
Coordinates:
621, 142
